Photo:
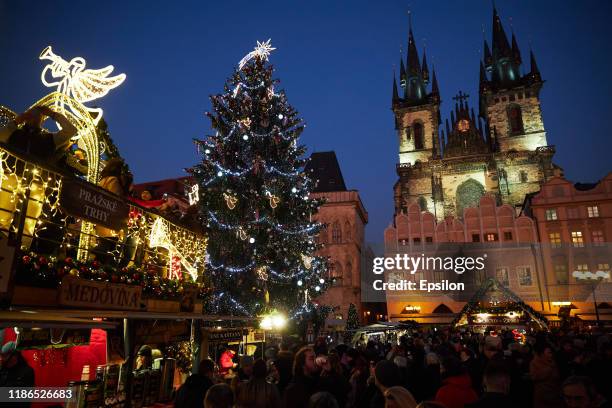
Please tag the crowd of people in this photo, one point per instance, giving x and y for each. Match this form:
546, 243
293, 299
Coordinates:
427, 368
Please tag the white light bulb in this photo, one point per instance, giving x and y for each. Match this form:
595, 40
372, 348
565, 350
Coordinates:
245, 137
321, 280
317, 288
252, 240
294, 190
300, 283
207, 151
280, 116
220, 173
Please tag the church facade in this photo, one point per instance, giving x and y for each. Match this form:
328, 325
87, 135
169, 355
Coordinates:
501, 151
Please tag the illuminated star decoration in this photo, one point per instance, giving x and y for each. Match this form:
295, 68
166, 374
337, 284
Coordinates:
262, 51
72, 79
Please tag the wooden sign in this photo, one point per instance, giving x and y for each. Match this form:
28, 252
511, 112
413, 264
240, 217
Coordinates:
225, 336
92, 203
99, 295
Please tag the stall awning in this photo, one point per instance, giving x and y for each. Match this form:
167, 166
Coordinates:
46, 320
120, 314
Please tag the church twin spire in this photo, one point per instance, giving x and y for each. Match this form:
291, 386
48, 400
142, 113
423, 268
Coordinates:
500, 68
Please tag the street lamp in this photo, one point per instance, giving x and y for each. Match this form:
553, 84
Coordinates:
592, 277
273, 321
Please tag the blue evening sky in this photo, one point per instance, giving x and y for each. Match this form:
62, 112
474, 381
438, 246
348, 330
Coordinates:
334, 59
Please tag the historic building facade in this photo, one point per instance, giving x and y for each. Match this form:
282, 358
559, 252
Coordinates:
503, 151
343, 238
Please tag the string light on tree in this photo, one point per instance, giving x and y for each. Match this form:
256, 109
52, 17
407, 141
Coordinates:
253, 150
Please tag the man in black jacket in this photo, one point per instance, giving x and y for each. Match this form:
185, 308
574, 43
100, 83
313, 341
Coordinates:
496, 382
192, 393
15, 371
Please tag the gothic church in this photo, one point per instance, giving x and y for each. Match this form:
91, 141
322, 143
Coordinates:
502, 151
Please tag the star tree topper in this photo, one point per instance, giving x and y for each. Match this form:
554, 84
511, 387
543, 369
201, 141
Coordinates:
262, 51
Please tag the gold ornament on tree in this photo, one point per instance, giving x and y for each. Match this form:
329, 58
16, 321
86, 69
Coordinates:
274, 200
246, 122
262, 273
230, 200
241, 233
307, 260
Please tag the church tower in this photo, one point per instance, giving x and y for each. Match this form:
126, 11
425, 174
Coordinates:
509, 101
417, 122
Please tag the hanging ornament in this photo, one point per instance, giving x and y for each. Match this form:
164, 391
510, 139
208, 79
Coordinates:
246, 122
241, 233
230, 200
274, 200
307, 260
264, 122
270, 91
262, 273
257, 165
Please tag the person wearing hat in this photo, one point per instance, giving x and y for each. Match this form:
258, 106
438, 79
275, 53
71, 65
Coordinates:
14, 371
144, 359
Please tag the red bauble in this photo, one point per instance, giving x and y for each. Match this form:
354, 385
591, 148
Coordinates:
26, 260
95, 264
42, 260
68, 260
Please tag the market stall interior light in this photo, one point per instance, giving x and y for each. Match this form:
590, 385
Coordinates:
273, 321
561, 303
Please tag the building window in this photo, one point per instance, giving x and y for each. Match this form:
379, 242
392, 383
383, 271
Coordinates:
475, 237
502, 276
523, 176
348, 274
347, 230
582, 268
419, 143
593, 211
573, 212
551, 214
524, 275
604, 267
507, 235
561, 274
597, 238
429, 240
416, 240
336, 274
491, 237
515, 119
479, 277
555, 239
577, 239
336, 233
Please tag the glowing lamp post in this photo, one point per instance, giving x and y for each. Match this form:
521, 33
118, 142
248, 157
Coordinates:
273, 321
592, 277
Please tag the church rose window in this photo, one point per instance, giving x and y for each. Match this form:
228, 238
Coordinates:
468, 195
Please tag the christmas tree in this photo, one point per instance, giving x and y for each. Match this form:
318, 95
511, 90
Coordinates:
254, 198
352, 323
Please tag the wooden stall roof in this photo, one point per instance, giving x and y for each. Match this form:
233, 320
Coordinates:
49, 319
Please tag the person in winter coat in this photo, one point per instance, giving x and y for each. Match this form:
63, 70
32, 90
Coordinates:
191, 394
305, 378
497, 387
545, 376
456, 390
332, 379
399, 397
257, 392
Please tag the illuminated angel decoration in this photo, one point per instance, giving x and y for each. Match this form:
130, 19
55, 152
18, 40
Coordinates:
72, 79
262, 51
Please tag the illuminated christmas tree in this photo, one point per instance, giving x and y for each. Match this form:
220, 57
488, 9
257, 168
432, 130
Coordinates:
254, 198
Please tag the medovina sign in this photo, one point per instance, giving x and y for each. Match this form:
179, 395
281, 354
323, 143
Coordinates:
99, 295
